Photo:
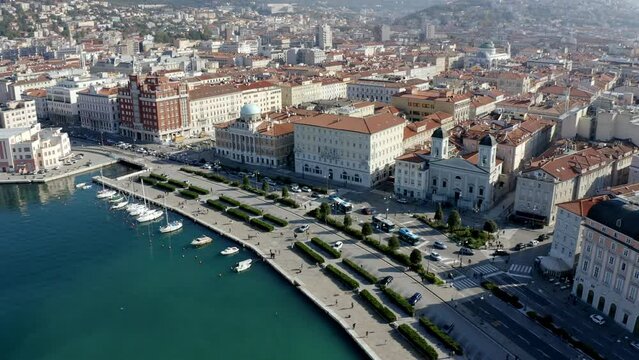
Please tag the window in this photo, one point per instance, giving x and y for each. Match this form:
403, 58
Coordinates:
443, 183
611, 260
481, 191
607, 277
584, 266
623, 266
619, 284
470, 189
595, 273
599, 254
588, 248
434, 182
632, 293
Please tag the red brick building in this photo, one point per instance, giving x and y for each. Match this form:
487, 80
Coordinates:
153, 108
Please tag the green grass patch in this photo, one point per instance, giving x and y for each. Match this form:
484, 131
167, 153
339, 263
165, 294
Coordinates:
326, 247
275, 220
418, 341
448, 341
384, 311
360, 270
342, 277
310, 253
263, 225
399, 300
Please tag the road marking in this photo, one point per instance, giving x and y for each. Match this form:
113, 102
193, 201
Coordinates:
597, 342
523, 338
408, 222
544, 354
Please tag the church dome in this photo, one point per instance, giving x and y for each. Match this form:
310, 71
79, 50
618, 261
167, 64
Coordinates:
439, 133
249, 110
487, 45
488, 140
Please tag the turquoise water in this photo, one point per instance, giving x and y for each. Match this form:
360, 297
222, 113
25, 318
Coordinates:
81, 282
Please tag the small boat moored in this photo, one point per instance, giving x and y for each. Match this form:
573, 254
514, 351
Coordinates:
202, 240
80, 185
243, 265
86, 187
230, 250
103, 194
120, 205
174, 225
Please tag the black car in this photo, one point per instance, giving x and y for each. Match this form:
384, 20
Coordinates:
466, 251
316, 195
386, 281
520, 246
367, 211
415, 298
500, 252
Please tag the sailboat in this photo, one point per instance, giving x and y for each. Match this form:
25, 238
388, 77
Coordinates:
120, 205
105, 193
174, 225
148, 214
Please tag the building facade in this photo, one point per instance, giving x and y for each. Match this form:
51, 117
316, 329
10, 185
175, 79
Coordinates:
98, 109
211, 105
418, 104
27, 150
18, 114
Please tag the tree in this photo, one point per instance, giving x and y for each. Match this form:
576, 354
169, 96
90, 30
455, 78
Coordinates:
324, 210
415, 257
439, 213
284, 192
393, 243
367, 229
491, 227
245, 181
348, 220
265, 186
454, 220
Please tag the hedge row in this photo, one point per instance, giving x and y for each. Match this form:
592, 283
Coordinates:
273, 196
360, 270
148, 180
429, 276
546, 321
158, 176
217, 204
326, 247
190, 171
198, 190
288, 202
399, 257
238, 214
418, 341
178, 183
448, 341
502, 294
165, 186
216, 177
261, 224
254, 190
189, 194
229, 200
334, 223
342, 277
399, 300
275, 220
384, 311
250, 209
317, 258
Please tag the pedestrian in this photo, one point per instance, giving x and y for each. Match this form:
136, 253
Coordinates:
352, 304
354, 325
366, 333
335, 302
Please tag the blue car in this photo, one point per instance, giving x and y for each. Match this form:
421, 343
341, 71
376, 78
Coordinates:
415, 298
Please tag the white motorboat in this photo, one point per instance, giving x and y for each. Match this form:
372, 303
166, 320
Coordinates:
202, 240
132, 206
86, 187
230, 250
103, 194
243, 265
138, 211
150, 216
170, 225
80, 185
120, 205
116, 198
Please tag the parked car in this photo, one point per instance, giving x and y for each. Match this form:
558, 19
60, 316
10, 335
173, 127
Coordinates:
466, 251
532, 243
520, 246
338, 245
302, 228
316, 195
367, 211
386, 281
415, 298
401, 200
439, 245
500, 252
295, 188
306, 189
597, 319
435, 256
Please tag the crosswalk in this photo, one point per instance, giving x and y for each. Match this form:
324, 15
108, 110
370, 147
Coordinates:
463, 282
520, 270
485, 269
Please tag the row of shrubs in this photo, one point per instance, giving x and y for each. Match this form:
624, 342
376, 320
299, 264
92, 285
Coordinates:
217, 204
198, 190
418, 341
502, 294
238, 214
442, 336
384, 311
250, 209
147, 180
165, 187
261, 224
158, 177
310, 253
336, 224
377, 245
342, 277
326, 247
286, 201
275, 220
230, 200
189, 194
546, 321
399, 300
177, 183
360, 270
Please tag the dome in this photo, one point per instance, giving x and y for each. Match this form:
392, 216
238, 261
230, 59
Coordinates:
487, 45
249, 110
439, 133
488, 140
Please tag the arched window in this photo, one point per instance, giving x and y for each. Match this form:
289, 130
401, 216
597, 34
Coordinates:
357, 178
443, 183
458, 177
434, 181
307, 168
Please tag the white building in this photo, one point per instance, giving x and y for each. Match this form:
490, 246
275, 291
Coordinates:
18, 114
486, 56
12, 90
30, 149
267, 96
210, 105
374, 90
324, 36
295, 93
358, 151
633, 176
98, 109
